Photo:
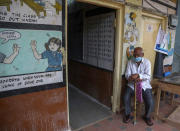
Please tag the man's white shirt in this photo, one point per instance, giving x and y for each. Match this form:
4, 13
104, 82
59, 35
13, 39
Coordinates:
144, 71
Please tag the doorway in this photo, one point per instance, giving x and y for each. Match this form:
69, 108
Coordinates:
91, 40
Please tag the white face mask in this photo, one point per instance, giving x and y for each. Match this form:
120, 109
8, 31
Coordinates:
138, 59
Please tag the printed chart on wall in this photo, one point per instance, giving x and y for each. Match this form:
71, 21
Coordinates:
31, 11
30, 58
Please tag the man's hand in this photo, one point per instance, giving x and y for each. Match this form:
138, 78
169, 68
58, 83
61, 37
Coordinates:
138, 80
135, 76
130, 79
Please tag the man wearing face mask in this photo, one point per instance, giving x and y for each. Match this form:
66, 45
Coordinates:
139, 70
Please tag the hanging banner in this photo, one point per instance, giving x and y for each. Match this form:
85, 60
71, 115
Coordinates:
161, 44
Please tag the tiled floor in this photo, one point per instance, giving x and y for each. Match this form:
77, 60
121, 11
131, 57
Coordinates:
115, 123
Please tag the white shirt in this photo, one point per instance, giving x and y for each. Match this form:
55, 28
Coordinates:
144, 71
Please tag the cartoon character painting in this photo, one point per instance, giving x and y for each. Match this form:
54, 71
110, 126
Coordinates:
8, 60
131, 35
53, 53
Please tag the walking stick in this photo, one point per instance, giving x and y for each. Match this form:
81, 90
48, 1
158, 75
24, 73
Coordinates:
134, 102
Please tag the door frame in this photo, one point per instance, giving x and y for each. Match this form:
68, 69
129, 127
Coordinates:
164, 19
118, 47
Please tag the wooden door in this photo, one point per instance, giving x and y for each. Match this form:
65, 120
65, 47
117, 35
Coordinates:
150, 31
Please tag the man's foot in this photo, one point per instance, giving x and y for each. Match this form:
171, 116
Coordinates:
148, 121
127, 118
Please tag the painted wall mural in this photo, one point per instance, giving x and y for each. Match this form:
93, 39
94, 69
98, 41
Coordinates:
32, 65
131, 34
31, 11
29, 58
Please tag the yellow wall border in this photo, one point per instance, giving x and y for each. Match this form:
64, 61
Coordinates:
117, 78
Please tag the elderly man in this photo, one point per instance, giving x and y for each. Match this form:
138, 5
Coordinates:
139, 70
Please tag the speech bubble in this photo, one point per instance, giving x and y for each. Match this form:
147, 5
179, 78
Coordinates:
7, 35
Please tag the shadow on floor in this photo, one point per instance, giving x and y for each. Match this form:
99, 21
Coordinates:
83, 110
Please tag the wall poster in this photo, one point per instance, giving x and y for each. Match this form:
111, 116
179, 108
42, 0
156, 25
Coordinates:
31, 11
30, 55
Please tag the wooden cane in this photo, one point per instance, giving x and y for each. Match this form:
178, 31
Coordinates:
134, 102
